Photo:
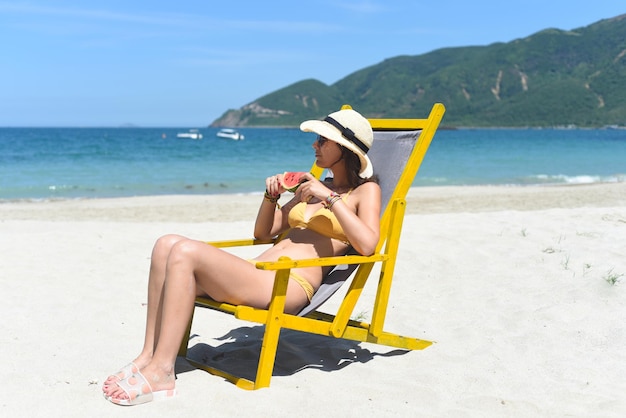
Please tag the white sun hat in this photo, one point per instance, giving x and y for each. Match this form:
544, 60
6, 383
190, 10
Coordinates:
348, 128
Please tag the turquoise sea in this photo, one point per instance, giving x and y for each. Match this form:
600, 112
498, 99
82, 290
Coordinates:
61, 163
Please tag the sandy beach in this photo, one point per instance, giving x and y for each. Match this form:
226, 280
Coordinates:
523, 289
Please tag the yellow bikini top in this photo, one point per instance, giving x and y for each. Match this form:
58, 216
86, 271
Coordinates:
323, 221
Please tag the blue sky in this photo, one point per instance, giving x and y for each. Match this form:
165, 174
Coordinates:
184, 63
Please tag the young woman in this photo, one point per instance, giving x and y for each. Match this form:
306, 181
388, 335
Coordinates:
323, 219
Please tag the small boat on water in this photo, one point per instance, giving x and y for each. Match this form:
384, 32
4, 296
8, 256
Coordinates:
192, 134
229, 133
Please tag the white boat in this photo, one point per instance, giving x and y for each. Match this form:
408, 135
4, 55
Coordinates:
192, 134
230, 134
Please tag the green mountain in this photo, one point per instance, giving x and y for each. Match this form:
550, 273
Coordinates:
551, 78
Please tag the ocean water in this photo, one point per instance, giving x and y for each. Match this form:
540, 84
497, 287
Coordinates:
65, 163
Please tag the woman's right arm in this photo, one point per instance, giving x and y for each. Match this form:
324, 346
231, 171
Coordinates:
271, 221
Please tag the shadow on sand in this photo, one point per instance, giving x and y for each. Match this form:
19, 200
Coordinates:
239, 353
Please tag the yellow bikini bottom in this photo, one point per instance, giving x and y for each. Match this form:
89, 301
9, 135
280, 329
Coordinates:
306, 286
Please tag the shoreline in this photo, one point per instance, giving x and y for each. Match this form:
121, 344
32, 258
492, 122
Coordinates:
243, 207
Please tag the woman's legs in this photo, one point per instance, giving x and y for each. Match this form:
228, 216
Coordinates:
156, 279
180, 270
156, 282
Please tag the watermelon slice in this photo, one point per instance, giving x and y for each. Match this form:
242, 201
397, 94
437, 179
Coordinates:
291, 180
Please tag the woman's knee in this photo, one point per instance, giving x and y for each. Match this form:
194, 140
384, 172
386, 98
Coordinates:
185, 251
163, 246
165, 243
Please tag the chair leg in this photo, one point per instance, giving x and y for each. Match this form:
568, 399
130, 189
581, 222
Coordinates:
273, 325
398, 207
267, 356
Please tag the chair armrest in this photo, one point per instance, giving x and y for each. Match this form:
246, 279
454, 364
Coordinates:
286, 263
240, 242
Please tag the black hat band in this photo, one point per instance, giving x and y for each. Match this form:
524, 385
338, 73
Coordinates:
347, 133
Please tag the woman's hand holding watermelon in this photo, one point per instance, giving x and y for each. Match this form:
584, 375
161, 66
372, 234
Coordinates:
289, 181
274, 185
311, 187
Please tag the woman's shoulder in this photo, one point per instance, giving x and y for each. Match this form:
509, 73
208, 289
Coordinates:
366, 188
369, 185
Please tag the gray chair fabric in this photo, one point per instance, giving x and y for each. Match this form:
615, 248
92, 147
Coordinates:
389, 154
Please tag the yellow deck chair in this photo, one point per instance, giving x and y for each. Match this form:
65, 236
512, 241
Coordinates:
397, 152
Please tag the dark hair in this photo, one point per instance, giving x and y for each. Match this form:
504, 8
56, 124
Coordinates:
353, 168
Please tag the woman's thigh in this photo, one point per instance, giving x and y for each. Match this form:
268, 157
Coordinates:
225, 277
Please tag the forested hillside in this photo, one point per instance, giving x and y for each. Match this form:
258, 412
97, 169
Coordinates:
551, 78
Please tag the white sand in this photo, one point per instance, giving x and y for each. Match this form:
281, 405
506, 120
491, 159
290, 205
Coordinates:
512, 284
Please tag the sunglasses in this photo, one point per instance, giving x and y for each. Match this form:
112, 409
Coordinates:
321, 140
